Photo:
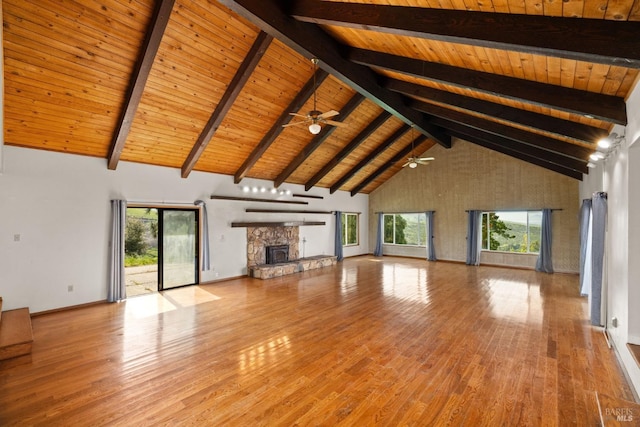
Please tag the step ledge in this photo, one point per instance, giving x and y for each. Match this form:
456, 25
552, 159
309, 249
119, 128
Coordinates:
16, 334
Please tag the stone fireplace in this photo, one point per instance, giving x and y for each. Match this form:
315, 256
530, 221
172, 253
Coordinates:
259, 238
280, 241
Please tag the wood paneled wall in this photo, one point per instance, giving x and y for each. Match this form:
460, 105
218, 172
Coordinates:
472, 177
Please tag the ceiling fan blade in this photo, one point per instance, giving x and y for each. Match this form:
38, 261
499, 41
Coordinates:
406, 164
334, 123
299, 115
303, 122
328, 114
426, 159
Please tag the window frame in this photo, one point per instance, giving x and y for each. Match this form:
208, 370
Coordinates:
485, 218
421, 233
345, 229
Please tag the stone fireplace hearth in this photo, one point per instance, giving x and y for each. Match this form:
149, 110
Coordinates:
259, 238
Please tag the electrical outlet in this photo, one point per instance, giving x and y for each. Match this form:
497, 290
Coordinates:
16, 237
70, 288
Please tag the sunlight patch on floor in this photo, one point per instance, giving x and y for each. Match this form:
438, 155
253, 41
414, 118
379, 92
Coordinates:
162, 302
263, 353
190, 296
147, 305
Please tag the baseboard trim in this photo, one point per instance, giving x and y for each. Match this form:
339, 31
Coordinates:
67, 308
224, 279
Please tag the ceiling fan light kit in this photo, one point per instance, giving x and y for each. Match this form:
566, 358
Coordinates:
314, 117
315, 128
414, 161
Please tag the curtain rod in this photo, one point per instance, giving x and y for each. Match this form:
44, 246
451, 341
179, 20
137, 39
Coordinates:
152, 204
403, 212
511, 210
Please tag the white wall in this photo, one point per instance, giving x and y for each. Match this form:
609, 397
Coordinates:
59, 205
619, 175
632, 134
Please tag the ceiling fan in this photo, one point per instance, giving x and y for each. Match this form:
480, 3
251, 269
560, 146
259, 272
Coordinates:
315, 118
414, 161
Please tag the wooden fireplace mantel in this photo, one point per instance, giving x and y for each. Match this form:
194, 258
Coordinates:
276, 224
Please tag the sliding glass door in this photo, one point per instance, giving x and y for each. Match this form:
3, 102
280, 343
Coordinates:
161, 249
178, 254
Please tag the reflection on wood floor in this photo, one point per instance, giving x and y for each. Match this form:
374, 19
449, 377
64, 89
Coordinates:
373, 341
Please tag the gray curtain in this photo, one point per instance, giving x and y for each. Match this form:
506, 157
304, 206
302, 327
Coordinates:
338, 236
473, 237
117, 289
379, 236
599, 207
206, 262
431, 249
545, 262
585, 213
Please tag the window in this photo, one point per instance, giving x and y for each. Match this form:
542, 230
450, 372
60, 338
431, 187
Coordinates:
349, 229
405, 229
511, 231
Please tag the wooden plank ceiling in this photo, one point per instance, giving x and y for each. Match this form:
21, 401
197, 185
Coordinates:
208, 86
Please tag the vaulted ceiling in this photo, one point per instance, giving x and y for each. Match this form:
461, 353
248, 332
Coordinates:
208, 86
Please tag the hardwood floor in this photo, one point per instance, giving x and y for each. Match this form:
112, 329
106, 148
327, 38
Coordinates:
388, 341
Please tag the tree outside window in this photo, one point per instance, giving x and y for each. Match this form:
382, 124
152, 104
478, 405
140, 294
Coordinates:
511, 231
405, 229
349, 229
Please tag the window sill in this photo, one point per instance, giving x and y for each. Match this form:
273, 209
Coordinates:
509, 253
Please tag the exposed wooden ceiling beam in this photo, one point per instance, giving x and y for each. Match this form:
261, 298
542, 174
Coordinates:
592, 40
370, 157
543, 122
490, 143
317, 140
296, 104
311, 41
157, 26
520, 135
250, 62
400, 155
516, 134
352, 145
530, 151
590, 104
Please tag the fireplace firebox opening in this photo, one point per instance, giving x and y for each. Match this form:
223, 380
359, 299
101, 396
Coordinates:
277, 254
